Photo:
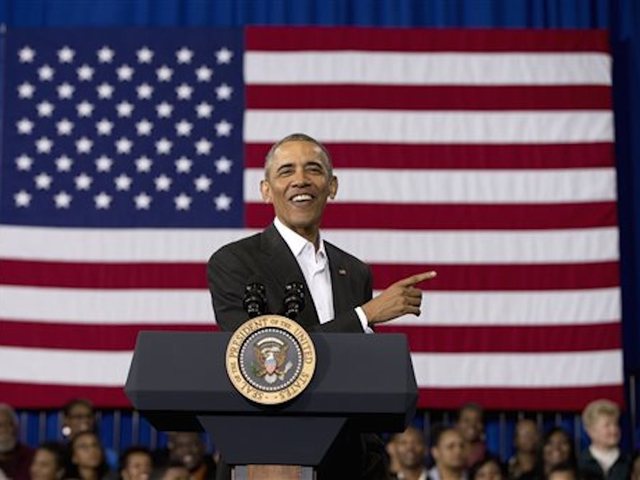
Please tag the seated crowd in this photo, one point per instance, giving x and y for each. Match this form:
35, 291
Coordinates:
456, 452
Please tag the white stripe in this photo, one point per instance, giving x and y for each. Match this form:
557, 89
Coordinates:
463, 186
478, 247
66, 367
508, 308
580, 126
576, 369
393, 68
113, 307
595, 368
123, 307
372, 246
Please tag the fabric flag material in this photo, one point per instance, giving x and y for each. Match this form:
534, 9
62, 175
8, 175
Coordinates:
129, 156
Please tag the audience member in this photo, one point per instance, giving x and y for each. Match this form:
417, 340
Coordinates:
489, 468
48, 462
136, 463
15, 458
470, 423
448, 453
563, 471
86, 457
79, 415
527, 442
603, 459
410, 449
556, 449
189, 449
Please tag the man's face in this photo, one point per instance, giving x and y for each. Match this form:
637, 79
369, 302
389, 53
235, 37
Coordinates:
80, 419
470, 425
187, 448
527, 436
138, 467
449, 453
605, 432
410, 449
489, 471
298, 185
8, 434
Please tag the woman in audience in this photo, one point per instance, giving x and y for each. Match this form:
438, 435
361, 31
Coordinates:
86, 457
48, 462
556, 449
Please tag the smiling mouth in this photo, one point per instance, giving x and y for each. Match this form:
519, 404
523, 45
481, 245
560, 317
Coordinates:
301, 198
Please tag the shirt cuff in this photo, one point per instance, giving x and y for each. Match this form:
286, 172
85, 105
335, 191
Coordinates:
363, 320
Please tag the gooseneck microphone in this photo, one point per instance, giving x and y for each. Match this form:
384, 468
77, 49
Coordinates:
293, 299
255, 299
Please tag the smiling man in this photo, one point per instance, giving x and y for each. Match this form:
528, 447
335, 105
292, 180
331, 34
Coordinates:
298, 182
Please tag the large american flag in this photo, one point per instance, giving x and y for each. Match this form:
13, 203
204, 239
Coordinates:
130, 155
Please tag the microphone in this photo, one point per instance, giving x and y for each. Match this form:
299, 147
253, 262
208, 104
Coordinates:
293, 299
255, 299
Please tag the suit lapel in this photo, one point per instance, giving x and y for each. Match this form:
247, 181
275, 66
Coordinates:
284, 268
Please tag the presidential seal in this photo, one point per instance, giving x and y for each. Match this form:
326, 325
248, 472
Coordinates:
270, 359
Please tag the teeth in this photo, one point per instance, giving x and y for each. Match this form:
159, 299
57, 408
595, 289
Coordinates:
301, 198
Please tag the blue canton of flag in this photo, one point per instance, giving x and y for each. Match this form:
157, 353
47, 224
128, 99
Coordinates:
123, 128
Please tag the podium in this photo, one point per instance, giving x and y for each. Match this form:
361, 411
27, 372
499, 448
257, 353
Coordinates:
365, 383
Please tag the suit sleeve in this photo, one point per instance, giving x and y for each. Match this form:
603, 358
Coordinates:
348, 321
227, 278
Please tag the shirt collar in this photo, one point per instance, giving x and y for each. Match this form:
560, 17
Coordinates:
295, 241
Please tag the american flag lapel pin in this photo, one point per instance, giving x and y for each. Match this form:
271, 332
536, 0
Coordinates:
342, 271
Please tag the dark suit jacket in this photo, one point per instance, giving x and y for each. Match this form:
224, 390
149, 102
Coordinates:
266, 258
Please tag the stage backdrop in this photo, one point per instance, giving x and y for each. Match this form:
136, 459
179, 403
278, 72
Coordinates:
130, 155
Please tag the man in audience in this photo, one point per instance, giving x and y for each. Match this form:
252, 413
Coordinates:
448, 454
15, 458
471, 426
189, 449
603, 459
527, 442
410, 449
78, 415
136, 463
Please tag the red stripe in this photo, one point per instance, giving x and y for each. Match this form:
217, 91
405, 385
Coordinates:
416, 40
441, 339
393, 97
25, 395
542, 338
192, 276
350, 155
28, 395
84, 336
453, 217
504, 277
554, 399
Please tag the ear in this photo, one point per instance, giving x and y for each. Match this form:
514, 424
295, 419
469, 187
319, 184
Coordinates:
333, 187
265, 191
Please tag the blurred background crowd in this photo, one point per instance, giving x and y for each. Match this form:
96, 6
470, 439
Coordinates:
454, 450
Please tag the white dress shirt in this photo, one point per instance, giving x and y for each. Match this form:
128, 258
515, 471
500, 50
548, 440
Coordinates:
315, 268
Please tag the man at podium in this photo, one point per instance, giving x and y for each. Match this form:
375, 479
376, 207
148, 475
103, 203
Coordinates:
298, 182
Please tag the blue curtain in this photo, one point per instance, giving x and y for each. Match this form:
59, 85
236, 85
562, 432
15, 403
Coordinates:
621, 17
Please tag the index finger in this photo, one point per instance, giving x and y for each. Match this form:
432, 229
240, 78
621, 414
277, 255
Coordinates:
417, 278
